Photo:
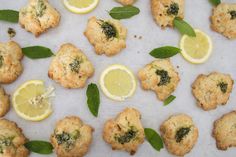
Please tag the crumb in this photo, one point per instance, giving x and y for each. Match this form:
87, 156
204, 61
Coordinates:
177, 66
11, 32
135, 36
140, 37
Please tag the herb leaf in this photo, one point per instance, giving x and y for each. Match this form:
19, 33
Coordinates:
124, 12
40, 147
153, 138
9, 16
165, 52
93, 98
184, 27
37, 52
169, 100
215, 2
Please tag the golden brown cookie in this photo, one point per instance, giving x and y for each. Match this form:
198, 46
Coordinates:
126, 2
4, 102
70, 67
225, 131
159, 76
164, 11
107, 36
12, 140
223, 19
125, 132
10, 62
38, 16
71, 137
212, 90
179, 134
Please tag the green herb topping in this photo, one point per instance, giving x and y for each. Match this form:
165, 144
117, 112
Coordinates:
173, 9
75, 65
66, 139
164, 77
109, 30
5, 142
127, 136
233, 14
11, 32
223, 87
181, 133
1, 61
40, 8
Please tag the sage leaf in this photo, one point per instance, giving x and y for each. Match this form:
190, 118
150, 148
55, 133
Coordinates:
165, 52
124, 12
93, 98
169, 100
215, 2
153, 138
40, 147
9, 16
37, 52
183, 27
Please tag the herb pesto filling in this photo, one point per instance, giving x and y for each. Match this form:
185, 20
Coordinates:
164, 77
67, 140
223, 87
75, 65
108, 29
40, 8
233, 14
181, 133
173, 9
127, 136
5, 142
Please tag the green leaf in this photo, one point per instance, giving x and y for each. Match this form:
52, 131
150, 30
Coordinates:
184, 27
40, 147
154, 138
93, 98
9, 16
124, 12
169, 100
215, 2
37, 52
165, 52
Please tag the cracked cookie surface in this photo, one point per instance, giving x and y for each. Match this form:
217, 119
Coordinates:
125, 132
38, 16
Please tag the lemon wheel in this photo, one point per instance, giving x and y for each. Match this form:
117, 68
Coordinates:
118, 82
80, 6
31, 100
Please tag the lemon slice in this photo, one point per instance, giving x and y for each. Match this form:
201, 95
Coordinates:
31, 100
80, 6
196, 49
118, 82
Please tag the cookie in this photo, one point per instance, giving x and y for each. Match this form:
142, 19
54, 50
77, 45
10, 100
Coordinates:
224, 131
125, 132
12, 140
212, 90
38, 16
159, 76
164, 11
71, 137
107, 36
126, 2
223, 19
4, 102
179, 134
10, 62
70, 67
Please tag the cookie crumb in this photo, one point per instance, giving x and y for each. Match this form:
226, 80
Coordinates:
11, 32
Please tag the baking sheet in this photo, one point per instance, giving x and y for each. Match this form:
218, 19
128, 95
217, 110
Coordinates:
135, 56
